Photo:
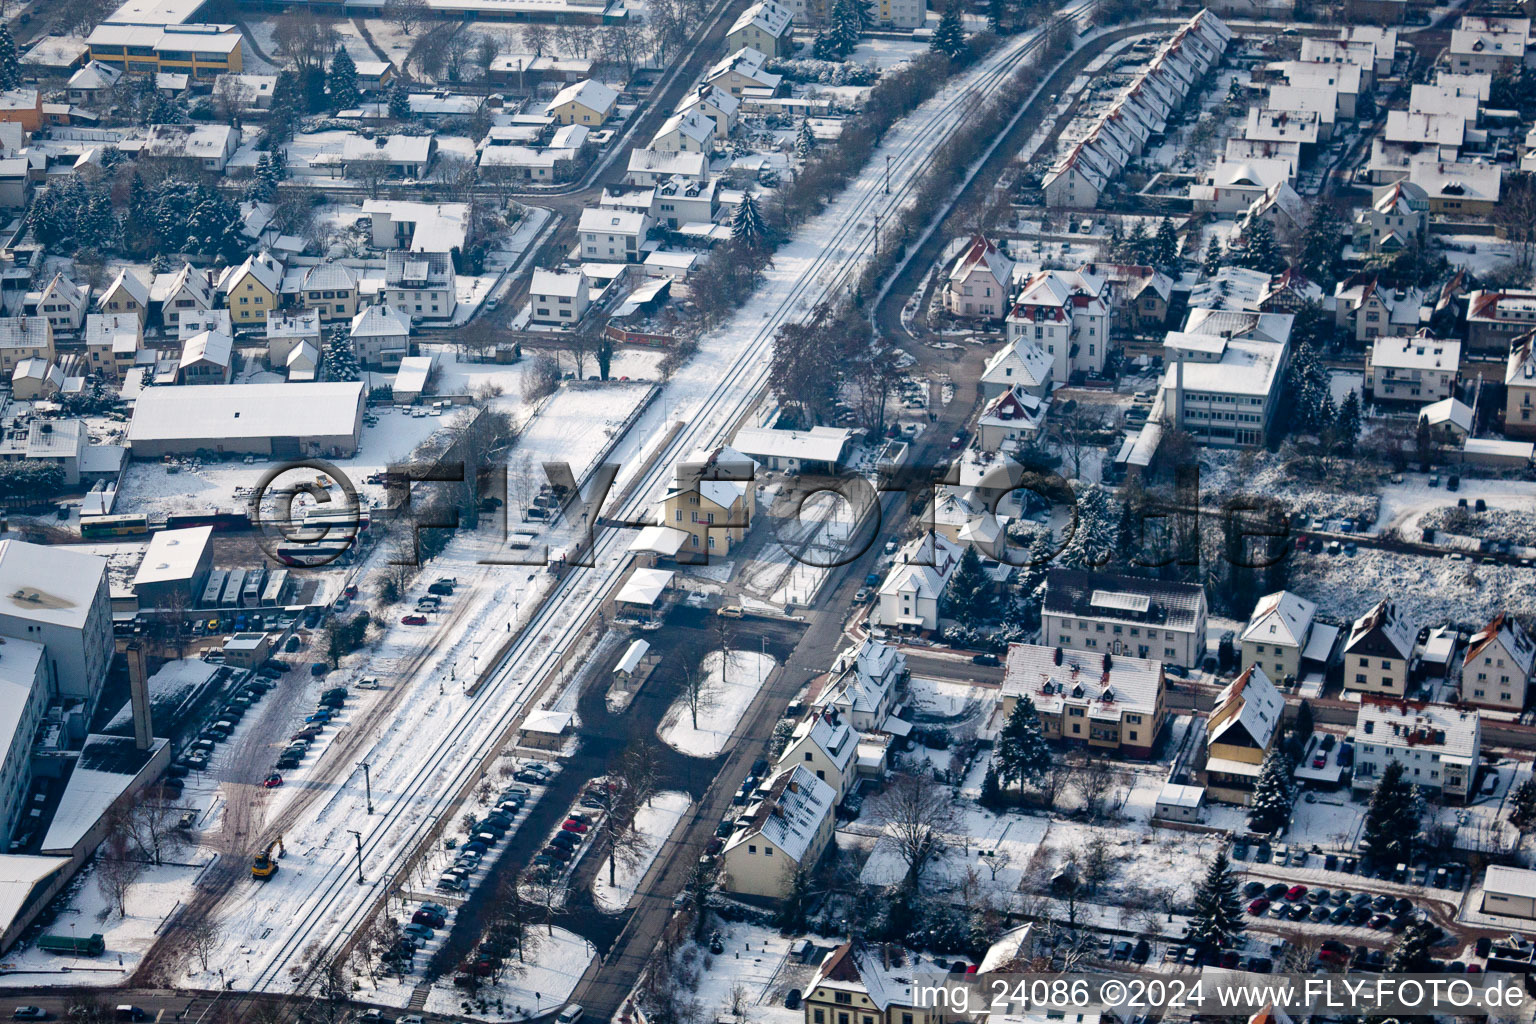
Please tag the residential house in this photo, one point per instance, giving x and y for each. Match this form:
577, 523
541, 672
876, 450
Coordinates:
1141, 295
871, 985
381, 336
715, 103
1497, 321
126, 294
1065, 312
36, 379
285, 333
587, 103
23, 106
1376, 652
683, 201
1418, 369
1359, 52
251, 290
824, 744
93, 82
1458, 188
741, 71
1282, 209
1496, 671
189, 290
1141, 617
62, 303
1231, 188
420, 284
1282, 634
863, 684
1395, 219
112, 343
25, 337
1222, 380
687, 132
1439, 746
1370, 311
330, 289
419, 227
1111, 705
1343, 79
1023, 364
787, 829
558, 297
1449, 421
1489, 45
609, 235
1520, 388
206, 358
1239, 732
390, 156
979, 282
710, 500
303, 363
1436, 135
1011, 421
648, 167
1290, 292
204, 147
909, 594
766, 27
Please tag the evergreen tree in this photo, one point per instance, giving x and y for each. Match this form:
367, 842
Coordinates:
1318, 257
1272, 794
949, 37
805, 139
1022, 754
1212, 258
1218, 914
1347, 427
1165, 246
604, 357
10, 65
342, 80
1392, 819
1522, 807
1261, 250
99, 225
966, 597
991, 789
1138, 244
824, 46
996, 11
846, 26
747, 225
1307, 389
1410, 953
399, 101
263, 186
1093, 533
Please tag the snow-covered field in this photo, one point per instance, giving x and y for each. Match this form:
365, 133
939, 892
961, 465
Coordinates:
727, 691
1428, 591
655, 822
555, 963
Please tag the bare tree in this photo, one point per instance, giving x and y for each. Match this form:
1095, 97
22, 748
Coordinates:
117, 869
1093, 778
307, 41
231, 97
536, 38
541, 377
151, 822
548, 894
696, 694
1075, 434
1515, 217
202, 938
916, 815
407, 15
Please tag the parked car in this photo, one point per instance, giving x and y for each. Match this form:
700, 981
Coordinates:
413, 620
272, 781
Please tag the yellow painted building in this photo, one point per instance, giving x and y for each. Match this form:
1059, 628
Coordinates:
251, 289
710, 501
1241, 730
202, 51
859, 985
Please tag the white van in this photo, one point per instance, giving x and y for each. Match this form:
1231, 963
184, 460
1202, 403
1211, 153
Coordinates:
570, 1014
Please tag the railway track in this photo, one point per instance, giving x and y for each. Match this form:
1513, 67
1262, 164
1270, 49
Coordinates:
334, 907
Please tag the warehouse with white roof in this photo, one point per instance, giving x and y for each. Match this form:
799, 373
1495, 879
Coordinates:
281, 420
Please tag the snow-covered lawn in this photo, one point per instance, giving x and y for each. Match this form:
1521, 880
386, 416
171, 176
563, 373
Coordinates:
756, 961
555, 963
725, 697
655, 823
1428, 591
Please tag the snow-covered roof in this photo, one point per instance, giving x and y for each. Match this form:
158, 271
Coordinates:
1521, 369
190, 279
20, 877
389, 149
48, 584
793, 810
547, 722
1022, 363
1416, 353
107, 766
1280, 618
173, 555
633, 656
1055, 677
1510, 881
819, 444
1251, 702
1459, 180
556, 283
985, 256
1448, 411
767, 16
1089, 594
299, 325
330, 276
1440, 727
861, 680
130, 282
261, 266
1507, 632
380, 320
213, 347
1240, 325
594, 95
690, 124
733, 470
1381, 631
197, 412
923, 567
1174, 795
665, 541
1425, 129
1321, 74
656, 162
828, 730
609, 221
645, 586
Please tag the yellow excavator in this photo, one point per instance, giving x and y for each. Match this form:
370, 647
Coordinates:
264, 866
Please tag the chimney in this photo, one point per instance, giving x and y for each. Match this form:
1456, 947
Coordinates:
138, 696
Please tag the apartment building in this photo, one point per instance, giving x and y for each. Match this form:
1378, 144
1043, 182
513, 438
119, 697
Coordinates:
1110, 705
1419, 369
1376, 652
1437, 745
1496, 670
1109, 614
